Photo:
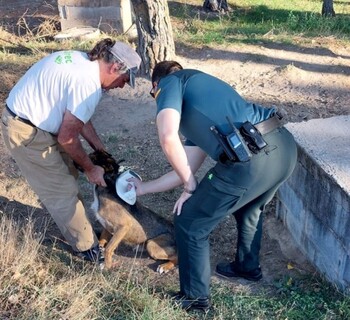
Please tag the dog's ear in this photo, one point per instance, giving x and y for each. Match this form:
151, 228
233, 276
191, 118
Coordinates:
104, 160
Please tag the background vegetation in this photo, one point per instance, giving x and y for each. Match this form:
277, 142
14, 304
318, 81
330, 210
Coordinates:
39, 281
260, 20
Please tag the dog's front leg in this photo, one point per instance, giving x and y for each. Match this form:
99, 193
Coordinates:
114, 243
104, 238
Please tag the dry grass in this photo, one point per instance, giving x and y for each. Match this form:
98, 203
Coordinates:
36, 284
47, 29
27, 286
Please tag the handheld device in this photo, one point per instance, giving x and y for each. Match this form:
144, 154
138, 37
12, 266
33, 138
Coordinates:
254, 136
223, 143
237, 144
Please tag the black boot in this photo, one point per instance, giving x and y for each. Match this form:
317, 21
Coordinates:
228, 270
186, 303
93, 255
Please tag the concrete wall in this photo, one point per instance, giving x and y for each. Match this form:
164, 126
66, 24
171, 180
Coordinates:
314, 203
106, 15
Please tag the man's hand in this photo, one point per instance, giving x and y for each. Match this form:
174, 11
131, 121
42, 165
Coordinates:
95, 176
68, 138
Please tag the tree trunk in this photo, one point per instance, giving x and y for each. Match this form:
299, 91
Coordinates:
216, 5
155, 35
328, 9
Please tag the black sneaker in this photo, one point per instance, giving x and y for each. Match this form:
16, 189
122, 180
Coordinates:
228, 270
187, 304
93, 255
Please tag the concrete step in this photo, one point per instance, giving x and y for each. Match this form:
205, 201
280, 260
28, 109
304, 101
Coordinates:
314, 204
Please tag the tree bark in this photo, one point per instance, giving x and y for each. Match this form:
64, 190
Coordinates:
328, 9
216, 5
155, 35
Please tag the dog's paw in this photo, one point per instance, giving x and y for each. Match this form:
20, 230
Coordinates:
102, 266
162, 269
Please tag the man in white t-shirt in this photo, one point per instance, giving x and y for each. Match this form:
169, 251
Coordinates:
46, 113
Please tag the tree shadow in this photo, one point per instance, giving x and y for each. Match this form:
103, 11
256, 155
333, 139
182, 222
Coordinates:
43, 225
202, 53
320, 51
19, 49
343, 3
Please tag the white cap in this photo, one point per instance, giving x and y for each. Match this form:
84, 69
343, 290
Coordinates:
128, 56
121, 186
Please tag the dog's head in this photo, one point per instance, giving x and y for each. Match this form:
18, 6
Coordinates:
105, 160
108, 163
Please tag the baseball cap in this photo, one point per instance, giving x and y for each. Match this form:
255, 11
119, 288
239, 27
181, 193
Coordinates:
128, 56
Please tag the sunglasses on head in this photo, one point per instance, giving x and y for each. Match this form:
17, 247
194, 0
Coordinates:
132, 75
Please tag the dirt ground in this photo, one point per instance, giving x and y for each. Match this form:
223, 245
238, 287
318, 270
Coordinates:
303, 81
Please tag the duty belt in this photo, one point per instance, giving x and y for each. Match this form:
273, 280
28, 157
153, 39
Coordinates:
269, 125
15, 116
264, 127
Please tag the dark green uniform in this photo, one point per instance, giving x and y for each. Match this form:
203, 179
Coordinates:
240, 188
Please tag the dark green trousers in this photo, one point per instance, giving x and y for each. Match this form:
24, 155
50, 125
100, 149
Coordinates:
239, 188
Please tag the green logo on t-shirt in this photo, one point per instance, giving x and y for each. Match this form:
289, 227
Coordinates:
64, 58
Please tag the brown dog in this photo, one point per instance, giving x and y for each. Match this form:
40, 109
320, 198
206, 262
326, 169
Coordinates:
132, 224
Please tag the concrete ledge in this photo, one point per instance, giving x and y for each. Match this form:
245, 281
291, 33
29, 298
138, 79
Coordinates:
108, 16
314, 204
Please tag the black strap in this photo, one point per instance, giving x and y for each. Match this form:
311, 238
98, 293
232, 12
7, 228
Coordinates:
26, 121
269, 125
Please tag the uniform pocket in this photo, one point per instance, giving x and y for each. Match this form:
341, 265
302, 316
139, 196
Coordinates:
224, 187
216, 195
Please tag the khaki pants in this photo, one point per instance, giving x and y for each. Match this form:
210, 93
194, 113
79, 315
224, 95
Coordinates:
52, 176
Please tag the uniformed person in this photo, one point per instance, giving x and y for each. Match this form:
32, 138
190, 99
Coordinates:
191, 102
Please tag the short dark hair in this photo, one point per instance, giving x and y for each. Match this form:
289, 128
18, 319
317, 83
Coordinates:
102, 51
164, 68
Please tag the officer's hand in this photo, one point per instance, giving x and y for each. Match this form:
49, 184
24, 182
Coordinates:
179, 203
137, 184
95, 176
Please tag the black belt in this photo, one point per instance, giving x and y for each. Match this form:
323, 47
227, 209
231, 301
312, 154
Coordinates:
269, 125
15, 116
264, 127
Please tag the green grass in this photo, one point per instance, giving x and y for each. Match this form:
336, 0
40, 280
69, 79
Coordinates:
42, 282
310, 298
254, 20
